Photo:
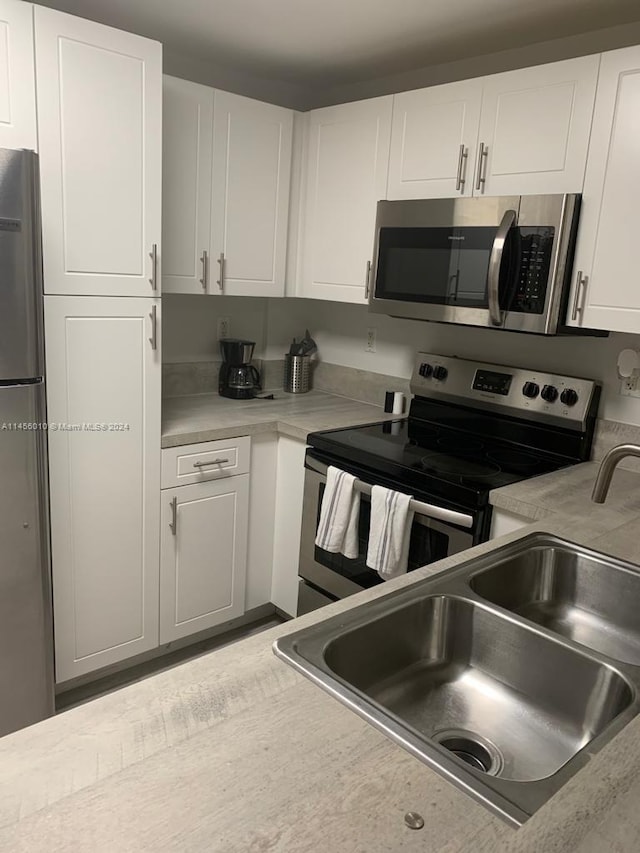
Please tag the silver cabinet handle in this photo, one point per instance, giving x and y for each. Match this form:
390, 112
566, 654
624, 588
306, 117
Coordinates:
213, 462
578, 299
153, 254
153, 316
220, 281
367, 281
204, 260
482, 166
462, 168
495, 260
173, 524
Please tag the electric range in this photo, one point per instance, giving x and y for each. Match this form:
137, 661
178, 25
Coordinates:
472, 427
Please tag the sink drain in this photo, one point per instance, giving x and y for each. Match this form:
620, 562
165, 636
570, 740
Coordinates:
474, 750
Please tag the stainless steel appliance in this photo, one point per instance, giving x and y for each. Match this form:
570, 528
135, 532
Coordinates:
238, 378
502, 262
26, 641
472, 427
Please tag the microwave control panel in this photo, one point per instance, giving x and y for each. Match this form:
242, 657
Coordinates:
535, 250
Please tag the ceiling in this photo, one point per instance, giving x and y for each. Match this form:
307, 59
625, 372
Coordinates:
340, 42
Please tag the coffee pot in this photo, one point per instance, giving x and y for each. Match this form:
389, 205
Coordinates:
238, 379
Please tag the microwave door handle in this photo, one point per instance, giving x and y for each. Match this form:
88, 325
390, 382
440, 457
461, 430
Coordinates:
495, 262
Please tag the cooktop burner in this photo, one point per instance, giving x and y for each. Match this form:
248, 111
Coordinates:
435, 458
460, 467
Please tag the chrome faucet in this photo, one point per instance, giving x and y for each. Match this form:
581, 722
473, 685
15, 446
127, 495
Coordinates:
607, 467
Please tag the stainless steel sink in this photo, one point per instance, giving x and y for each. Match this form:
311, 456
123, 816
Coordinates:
454, 670
587, 597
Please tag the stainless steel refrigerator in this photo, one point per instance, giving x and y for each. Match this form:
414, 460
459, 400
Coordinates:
26, 634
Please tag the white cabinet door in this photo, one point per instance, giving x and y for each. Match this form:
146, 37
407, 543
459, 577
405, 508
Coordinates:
534, 128
103, 401
17, 83
250, 201
347, 167
100, 138
203, 555
187, 149
606, 255
433, 141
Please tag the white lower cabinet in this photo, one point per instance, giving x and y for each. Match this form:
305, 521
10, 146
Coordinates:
503, 522
203, 560
103, 402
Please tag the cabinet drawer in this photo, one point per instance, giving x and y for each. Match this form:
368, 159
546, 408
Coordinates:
210, 460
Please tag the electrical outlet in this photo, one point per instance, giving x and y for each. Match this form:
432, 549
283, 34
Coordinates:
223, 327
630, 386
371, 340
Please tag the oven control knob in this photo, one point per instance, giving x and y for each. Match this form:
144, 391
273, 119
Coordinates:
440, 373
531, 390
549, 393
569, 397
425, 370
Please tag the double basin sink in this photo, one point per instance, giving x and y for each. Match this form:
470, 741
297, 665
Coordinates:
504, 674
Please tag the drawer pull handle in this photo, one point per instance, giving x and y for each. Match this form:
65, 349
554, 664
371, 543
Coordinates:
213, 462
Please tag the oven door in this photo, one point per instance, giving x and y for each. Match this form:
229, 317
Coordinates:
336, 576
497, 262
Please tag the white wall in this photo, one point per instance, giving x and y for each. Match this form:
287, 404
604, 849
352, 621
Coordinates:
190, 325
340, 332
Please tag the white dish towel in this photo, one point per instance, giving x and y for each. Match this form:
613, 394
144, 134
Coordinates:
389, 532
338, 526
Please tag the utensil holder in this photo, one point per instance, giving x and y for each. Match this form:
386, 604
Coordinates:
297, 374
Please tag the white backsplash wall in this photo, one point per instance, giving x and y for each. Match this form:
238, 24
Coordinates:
190, 325
190, 334
340, 331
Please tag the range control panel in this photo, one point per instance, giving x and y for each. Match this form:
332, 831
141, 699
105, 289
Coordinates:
532, 394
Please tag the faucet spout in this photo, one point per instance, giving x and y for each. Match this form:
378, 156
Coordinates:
608, 466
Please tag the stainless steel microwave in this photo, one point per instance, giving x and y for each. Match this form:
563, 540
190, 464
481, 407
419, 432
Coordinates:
502, 262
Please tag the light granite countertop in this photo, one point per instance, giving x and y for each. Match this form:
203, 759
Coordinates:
206, 417
235, 751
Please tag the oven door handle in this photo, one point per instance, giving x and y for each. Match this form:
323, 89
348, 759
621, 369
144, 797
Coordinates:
495, 262
461, 519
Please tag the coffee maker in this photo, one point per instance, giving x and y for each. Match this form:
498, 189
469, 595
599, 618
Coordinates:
238, 379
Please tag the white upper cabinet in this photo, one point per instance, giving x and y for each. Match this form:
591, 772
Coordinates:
518, 133
226, 174
605, 288
433, 141
250, 201
103, 384
17, 86
347, 167
534, 128
187, 151
99, 103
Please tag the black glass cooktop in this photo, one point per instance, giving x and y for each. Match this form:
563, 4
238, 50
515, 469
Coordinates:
458, 465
